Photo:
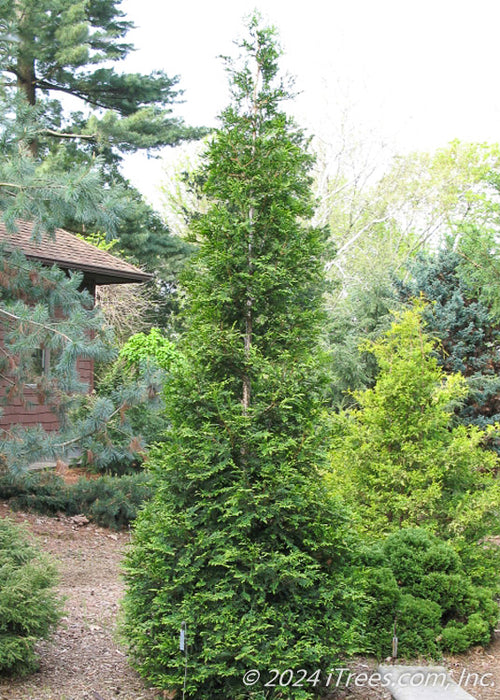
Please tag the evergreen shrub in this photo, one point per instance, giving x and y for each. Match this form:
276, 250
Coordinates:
110, 501
29, 608
467, 332
419, 587
401, 460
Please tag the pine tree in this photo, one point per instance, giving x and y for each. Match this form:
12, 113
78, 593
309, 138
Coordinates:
60, 55
54, 47
48, 196
468, 334
242, 544
61, 169
46, 315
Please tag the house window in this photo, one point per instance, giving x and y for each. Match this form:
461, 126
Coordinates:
38, 364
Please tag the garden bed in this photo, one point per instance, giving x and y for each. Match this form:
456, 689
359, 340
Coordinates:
84, 661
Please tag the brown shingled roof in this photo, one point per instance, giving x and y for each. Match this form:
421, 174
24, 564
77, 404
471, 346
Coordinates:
72, 253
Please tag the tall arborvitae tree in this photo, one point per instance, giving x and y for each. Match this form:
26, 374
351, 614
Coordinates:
60, 55
242, 546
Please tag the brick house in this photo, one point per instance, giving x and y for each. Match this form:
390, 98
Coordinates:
68, 252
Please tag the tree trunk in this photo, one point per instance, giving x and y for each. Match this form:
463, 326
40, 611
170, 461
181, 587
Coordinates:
25, 68
247, 387
26, 79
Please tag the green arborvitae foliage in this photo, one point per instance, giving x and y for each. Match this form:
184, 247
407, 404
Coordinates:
467, 332
241, 541
398, 454
29, 608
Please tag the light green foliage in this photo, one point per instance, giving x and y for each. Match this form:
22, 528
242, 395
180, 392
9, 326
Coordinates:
182, 199
143, 348
418, 588
29, 607
398, 455
480, 262
434, 194
242, 541
380, 222
101, 241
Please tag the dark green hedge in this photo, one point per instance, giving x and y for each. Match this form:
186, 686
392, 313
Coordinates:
417, 585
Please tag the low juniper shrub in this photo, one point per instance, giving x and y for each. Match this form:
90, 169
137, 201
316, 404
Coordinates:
110, 501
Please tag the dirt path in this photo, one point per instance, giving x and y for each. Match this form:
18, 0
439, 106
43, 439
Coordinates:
83, 660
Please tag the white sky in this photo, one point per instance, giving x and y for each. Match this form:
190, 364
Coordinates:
419, 73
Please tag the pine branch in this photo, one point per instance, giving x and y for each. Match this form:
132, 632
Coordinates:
15, 185
7, 379
67, 443
15, 317
45, 85
37, 185
63, 135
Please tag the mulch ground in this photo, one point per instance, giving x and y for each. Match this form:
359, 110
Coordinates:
84, 660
